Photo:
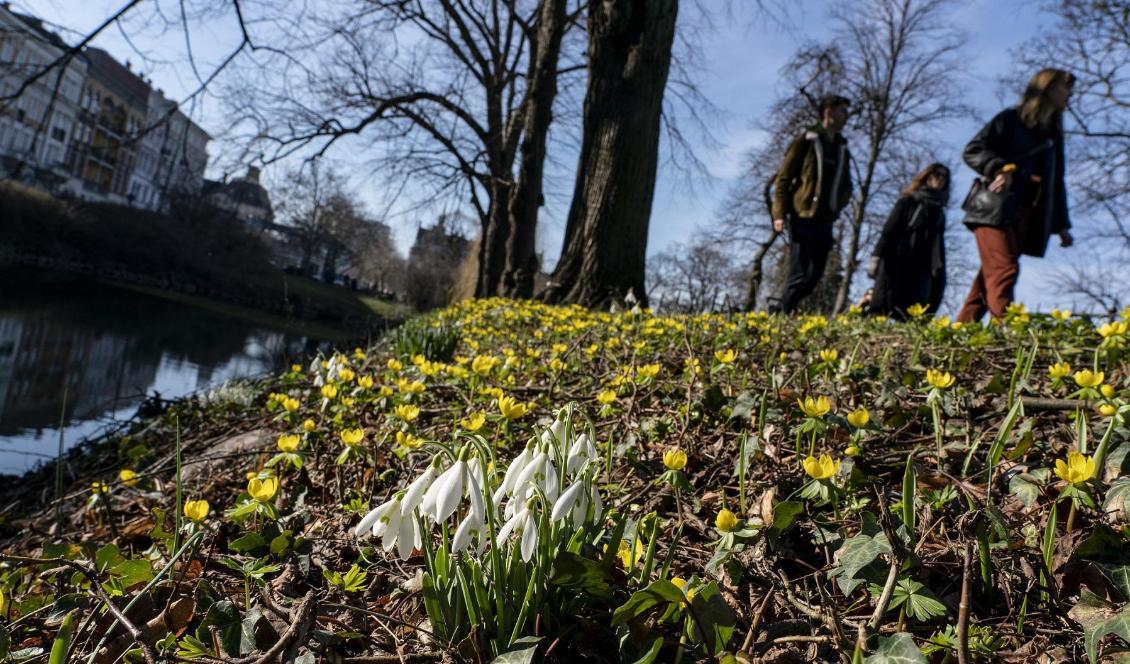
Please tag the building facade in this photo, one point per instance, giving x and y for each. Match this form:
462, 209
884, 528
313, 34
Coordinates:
37, 126
172, 157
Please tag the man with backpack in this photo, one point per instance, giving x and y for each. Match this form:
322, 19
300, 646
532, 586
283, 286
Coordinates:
811, 188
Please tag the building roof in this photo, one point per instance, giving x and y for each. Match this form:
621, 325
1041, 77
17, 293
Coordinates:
116, 76
36, 25
240, 192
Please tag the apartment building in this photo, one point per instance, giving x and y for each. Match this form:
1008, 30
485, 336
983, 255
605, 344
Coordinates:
172, 157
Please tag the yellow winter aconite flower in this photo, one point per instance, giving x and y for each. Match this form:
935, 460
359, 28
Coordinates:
407, 412
556, 364
385, 391
98, 487
365, 382
263, 490
510, 407
473, 422
1107, 391
726, 521
821, 468
197, 510
829, 354
606, 396
1107, 409
352, 437
818, 407
1061, 314
405, 439
725, 356
916, 310
346, 375
296, 368
1059, 370
629, 556
410, 387
329, 391
674, 458
290, 404
859, 418
308, 426
648, 371
394, 365
939, 379
852, 450
128, 477
681, 584
1088, 378
1077, 469
484, 364
1115, 329
288, 442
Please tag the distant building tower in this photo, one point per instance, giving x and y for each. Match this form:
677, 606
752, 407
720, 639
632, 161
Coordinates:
244, 198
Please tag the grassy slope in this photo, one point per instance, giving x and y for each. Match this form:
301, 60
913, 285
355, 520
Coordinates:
706, 411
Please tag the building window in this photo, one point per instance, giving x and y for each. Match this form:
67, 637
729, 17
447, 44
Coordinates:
58, 134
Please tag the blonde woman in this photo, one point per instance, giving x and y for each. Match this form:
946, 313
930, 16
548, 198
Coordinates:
1020, 154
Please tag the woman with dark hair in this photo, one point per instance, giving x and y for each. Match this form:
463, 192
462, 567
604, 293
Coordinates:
1020, 155
909, 261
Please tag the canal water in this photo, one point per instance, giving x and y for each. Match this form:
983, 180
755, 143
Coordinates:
87, 354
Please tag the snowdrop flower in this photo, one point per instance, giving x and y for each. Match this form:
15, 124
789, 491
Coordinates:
416, 490
470, 527
388, 523
449, 488
568, 501
580, 453
524, 520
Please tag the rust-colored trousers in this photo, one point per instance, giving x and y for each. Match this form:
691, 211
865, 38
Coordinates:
996, 280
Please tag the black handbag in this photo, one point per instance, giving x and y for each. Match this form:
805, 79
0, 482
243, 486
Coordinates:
984, 207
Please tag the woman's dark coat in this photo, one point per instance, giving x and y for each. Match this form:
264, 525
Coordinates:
1004, 140
912, 256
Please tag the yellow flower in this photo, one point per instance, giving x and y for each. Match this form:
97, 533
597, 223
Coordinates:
1059, 370
348, 401
1115, 329
726, 521
818, 407
484, 364
410, 387
1108, 409
606, 397
308, 426
648, 371
197, 510
1107, 391
394, 365
725, 356
510, 407
407, 412
859, 418
98, 487
296, 368
821, 468
627, 556
290, 404
681, 584
1061, 314
418, 359
939, 379
263, 490
128, 477
674, 458
1088, 378
329, 391
352, 437
473, 422
1077, 469
916, 310
358, 354
407, 440
365, 382
556, 365
385, 391
852, 450
346, 374
288, 442
829, 354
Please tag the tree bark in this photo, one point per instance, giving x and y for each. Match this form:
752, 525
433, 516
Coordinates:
756, 272
526, 197
606, 231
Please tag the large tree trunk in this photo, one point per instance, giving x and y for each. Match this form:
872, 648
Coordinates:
521, 258
492, 248
606, 231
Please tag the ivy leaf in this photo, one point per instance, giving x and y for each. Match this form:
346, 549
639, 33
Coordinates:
1117, 503
1099, 618
522, 655
896, 649
857, 553
642, 601
1025, 487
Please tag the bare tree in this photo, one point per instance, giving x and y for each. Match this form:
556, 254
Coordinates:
697, 277
1092, 40
606, 230
306, 202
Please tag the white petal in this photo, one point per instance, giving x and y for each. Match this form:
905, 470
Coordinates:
580, 509
558, 430
598, 509
408, 536
392, 529
529, 538
449, 489
463, 533
515, 469
513, 522
549, 484
417, 489
566, 502
370, 520
534, 466
475, 492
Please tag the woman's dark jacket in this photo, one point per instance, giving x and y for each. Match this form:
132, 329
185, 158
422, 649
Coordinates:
1043, 202
912, 255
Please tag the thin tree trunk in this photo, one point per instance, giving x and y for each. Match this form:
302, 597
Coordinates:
606, 231
756, 273
492, 250
526, 198
855, 230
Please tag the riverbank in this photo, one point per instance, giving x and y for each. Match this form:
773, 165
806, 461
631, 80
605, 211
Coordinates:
204, 260
780, 489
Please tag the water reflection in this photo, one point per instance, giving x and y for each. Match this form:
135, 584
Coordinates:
105, 349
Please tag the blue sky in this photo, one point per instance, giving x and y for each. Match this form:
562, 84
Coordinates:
742, 57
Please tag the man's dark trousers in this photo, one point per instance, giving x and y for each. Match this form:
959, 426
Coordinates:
810, 240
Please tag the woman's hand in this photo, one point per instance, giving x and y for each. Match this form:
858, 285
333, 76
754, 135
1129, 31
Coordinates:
1065, 239
1002, 182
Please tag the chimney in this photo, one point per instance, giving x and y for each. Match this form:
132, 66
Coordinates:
129, 66
252, 174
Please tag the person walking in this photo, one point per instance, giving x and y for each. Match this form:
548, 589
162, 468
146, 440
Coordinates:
909, 261
1022, 199
811, 188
